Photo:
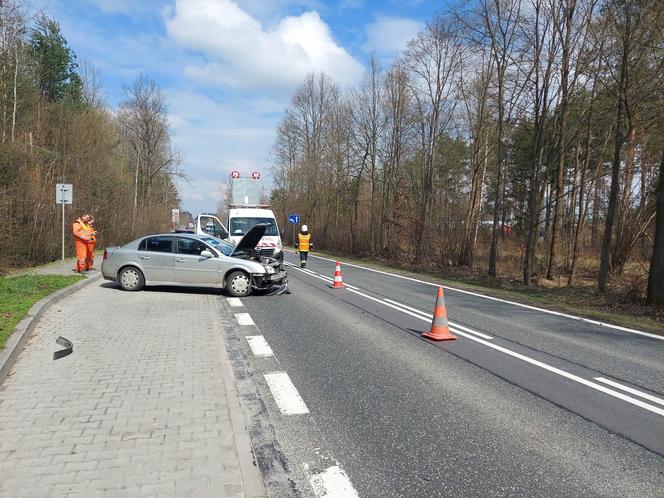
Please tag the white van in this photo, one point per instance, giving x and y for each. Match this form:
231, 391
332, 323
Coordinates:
240, 220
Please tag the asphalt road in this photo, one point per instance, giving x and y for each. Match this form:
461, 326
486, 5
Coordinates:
515, 406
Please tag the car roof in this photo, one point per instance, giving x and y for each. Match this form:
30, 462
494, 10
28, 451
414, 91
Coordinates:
178, 234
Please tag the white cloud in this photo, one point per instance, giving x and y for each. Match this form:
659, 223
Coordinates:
388, 36
218, 136
242, 53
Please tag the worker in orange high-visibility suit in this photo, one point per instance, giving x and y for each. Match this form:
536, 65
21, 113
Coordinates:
303, 245
90, 253
82, 237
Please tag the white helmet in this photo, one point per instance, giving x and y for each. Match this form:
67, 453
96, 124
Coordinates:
305, 228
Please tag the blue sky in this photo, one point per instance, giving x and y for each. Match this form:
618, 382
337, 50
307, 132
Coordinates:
228, 68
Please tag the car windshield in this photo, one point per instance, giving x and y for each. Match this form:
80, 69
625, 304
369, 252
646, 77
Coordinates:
220, 245
240, 226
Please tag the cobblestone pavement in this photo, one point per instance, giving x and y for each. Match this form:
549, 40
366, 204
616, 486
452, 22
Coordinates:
145, 405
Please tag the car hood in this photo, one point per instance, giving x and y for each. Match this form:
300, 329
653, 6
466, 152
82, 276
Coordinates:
250, 239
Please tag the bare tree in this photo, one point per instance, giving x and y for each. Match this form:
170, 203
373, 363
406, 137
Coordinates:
433, 59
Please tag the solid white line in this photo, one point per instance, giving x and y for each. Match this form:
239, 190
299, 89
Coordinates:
398, 308
513, 303
321, 277
286, 396
567, 375
244, 319
533, 361
633, 391
234, 301
429, 317
454, 327
527, 359
333, 483
259, 345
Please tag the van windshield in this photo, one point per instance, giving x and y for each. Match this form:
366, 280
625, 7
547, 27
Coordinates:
240, 226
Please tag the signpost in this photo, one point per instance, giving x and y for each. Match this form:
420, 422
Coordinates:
293, 219
64, 194
175, 217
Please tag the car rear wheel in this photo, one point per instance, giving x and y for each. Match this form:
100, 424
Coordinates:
238, 284
131, 279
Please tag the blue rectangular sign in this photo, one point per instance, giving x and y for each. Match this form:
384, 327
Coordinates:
293, 218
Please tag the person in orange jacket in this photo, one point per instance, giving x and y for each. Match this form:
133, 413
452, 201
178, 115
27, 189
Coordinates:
82, 237
90, 252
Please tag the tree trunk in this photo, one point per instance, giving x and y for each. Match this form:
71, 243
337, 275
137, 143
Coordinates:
621, 249
656, 275
615, 185
15, 96
562, 142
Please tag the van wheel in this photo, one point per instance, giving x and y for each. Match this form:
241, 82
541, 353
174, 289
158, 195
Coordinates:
131, 279
238, 284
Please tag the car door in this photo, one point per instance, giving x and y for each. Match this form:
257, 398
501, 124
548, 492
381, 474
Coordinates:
192, 268
156, 256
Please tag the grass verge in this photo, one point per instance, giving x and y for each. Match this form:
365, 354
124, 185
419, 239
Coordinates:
579, 301
18, 294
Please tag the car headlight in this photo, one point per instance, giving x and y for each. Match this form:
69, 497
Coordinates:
269, 270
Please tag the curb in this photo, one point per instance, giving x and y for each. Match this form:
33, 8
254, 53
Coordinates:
25, 327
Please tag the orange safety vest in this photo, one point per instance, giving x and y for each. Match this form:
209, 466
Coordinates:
82, 231
303, 241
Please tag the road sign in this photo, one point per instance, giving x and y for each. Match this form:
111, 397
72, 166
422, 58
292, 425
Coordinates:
293, 218
64, 193
175, 215
255, 175
235, 174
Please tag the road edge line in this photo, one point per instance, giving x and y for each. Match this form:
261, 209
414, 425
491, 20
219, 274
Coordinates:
23, 331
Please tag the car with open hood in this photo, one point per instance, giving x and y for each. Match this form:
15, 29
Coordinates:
195, 260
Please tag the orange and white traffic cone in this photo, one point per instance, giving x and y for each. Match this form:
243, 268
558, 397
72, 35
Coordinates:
440, 330
338, 283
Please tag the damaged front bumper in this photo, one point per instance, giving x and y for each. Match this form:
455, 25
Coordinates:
274, 284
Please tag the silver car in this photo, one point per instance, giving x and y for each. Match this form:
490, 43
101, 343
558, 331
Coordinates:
194, 260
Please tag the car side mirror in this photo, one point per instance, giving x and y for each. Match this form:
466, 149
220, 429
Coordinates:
206, 254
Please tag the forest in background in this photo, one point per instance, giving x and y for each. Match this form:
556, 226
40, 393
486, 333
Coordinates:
517, 139
55, 127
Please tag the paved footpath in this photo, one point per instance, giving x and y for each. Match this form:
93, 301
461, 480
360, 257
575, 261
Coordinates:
145, 405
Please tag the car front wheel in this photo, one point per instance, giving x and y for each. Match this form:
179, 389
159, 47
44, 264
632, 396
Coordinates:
238, 284
131, 279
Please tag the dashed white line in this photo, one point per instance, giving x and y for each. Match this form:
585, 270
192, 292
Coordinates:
285, 394
234, 301
259, 345
244, 319
333, 483
631, 390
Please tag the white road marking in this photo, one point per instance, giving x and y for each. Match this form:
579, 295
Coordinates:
285, 394
429, 317
259, 345
333, 483
244, 319
522, 357
234, 301
454, 327
513, 303
533, 361
631, 390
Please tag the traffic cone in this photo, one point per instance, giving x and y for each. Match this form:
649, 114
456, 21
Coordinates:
440, 330
338, 283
